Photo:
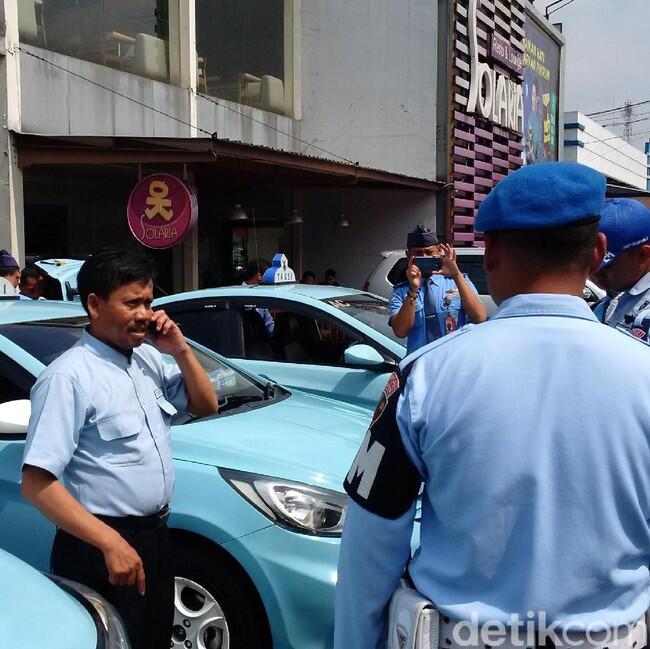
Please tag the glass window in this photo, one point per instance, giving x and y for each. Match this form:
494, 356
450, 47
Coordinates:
15, 382
369, 310
245, 51
132, 36
473, 266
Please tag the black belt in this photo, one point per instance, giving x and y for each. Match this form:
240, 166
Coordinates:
152, 522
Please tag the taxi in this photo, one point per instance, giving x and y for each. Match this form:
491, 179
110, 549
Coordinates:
326, 340
69, 615
258, 508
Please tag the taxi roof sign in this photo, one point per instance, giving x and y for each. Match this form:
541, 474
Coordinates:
279, 271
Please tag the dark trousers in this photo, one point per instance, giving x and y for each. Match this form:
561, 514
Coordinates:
149, 618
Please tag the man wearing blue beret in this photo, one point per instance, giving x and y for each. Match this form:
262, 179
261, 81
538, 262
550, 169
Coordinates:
432, 303
533, 505
625, 271
9, 275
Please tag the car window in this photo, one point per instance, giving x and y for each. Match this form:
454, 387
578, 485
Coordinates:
369, 310
15, 382
293, 336
470, 264
47, 340
397, 273
211, 325
473, 266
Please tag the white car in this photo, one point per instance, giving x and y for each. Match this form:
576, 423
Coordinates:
392, 268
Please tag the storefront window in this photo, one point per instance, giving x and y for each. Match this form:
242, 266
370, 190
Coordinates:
131, 36
245, 51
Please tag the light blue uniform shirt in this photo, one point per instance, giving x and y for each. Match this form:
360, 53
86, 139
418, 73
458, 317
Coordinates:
622, 310
437, 309
536, 466
101, 423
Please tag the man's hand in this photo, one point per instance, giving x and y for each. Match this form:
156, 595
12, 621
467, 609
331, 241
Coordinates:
124, 564
413, 274
168, 338
449, 266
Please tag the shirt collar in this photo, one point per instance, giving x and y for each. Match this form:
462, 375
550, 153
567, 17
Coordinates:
641, 286
120, 358
553, 304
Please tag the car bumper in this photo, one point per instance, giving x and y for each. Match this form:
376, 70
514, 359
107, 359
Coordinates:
295, 575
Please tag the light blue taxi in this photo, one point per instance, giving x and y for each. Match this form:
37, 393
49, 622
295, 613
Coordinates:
326, 340
258, 507
34, 607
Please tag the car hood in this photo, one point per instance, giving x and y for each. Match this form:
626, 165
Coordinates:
34, 608
303, 438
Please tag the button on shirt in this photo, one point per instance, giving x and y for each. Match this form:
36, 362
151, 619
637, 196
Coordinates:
100, 422
536, 472
622, 310
438, 309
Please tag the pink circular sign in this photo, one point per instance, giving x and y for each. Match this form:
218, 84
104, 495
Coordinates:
162, 211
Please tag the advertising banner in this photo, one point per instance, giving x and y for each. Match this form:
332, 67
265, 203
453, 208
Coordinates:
541, 90
162, 211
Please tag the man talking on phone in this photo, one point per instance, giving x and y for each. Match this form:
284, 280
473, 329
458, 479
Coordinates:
436, 298
98, 460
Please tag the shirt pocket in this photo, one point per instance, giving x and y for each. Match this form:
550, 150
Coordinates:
120, 440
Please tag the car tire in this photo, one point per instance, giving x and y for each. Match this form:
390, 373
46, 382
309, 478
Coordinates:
216, 605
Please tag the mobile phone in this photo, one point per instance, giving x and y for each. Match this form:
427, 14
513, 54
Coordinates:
151, 328
428, 264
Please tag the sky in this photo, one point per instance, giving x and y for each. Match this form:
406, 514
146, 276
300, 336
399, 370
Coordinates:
607, 58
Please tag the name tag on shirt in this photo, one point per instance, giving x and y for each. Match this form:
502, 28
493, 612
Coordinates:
163, 404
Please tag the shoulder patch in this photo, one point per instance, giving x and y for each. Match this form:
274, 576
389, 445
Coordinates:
382, 478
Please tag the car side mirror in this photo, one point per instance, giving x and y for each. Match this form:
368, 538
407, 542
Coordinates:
363, 356
14, 417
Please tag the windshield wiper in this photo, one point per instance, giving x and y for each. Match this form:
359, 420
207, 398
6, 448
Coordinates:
240, 400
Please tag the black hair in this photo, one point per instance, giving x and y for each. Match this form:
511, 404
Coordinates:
109, 268
566, 248
6, 271
309, 273
330, 272
256, 266
30, 272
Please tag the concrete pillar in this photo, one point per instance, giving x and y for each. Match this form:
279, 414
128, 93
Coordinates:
12, 218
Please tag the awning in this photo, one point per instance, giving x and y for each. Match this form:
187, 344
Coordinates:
292, 168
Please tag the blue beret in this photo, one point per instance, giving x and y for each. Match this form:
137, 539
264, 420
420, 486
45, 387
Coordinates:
543, 195
7, 261
626, 224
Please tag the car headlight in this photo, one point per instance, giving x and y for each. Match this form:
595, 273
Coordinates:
111, 632
297, 506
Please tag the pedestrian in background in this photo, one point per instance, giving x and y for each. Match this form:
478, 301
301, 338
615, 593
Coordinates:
330, 278
533, 505
308, 277
625, 272
434, 303
98, 460
254, 275
9, 274
31, 283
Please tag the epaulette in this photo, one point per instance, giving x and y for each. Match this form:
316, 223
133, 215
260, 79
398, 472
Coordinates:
408, 361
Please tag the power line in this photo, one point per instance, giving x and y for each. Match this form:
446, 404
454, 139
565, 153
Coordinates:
179, 120
548, 13
619, 108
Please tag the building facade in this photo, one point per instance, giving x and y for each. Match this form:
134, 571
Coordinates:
591, 144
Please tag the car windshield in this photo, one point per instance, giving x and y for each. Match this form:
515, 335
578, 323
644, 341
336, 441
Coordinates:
48, 339
370, 310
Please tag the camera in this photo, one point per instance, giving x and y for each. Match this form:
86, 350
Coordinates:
428, 264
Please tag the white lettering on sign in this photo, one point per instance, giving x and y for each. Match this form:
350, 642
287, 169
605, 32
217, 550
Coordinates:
496, 97
366, 464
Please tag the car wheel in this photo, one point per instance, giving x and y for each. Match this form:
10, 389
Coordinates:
215, 605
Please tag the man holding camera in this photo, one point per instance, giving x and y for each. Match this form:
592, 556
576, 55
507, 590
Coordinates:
436, 297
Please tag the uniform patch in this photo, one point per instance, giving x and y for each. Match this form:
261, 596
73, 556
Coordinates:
382, 478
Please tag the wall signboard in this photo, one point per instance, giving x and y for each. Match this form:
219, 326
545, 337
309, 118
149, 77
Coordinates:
162, 211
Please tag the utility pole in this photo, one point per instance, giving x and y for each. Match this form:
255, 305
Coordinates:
627, 114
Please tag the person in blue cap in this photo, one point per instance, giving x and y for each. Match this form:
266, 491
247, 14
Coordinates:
432, 304
9, 274
625, 272
533, 507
